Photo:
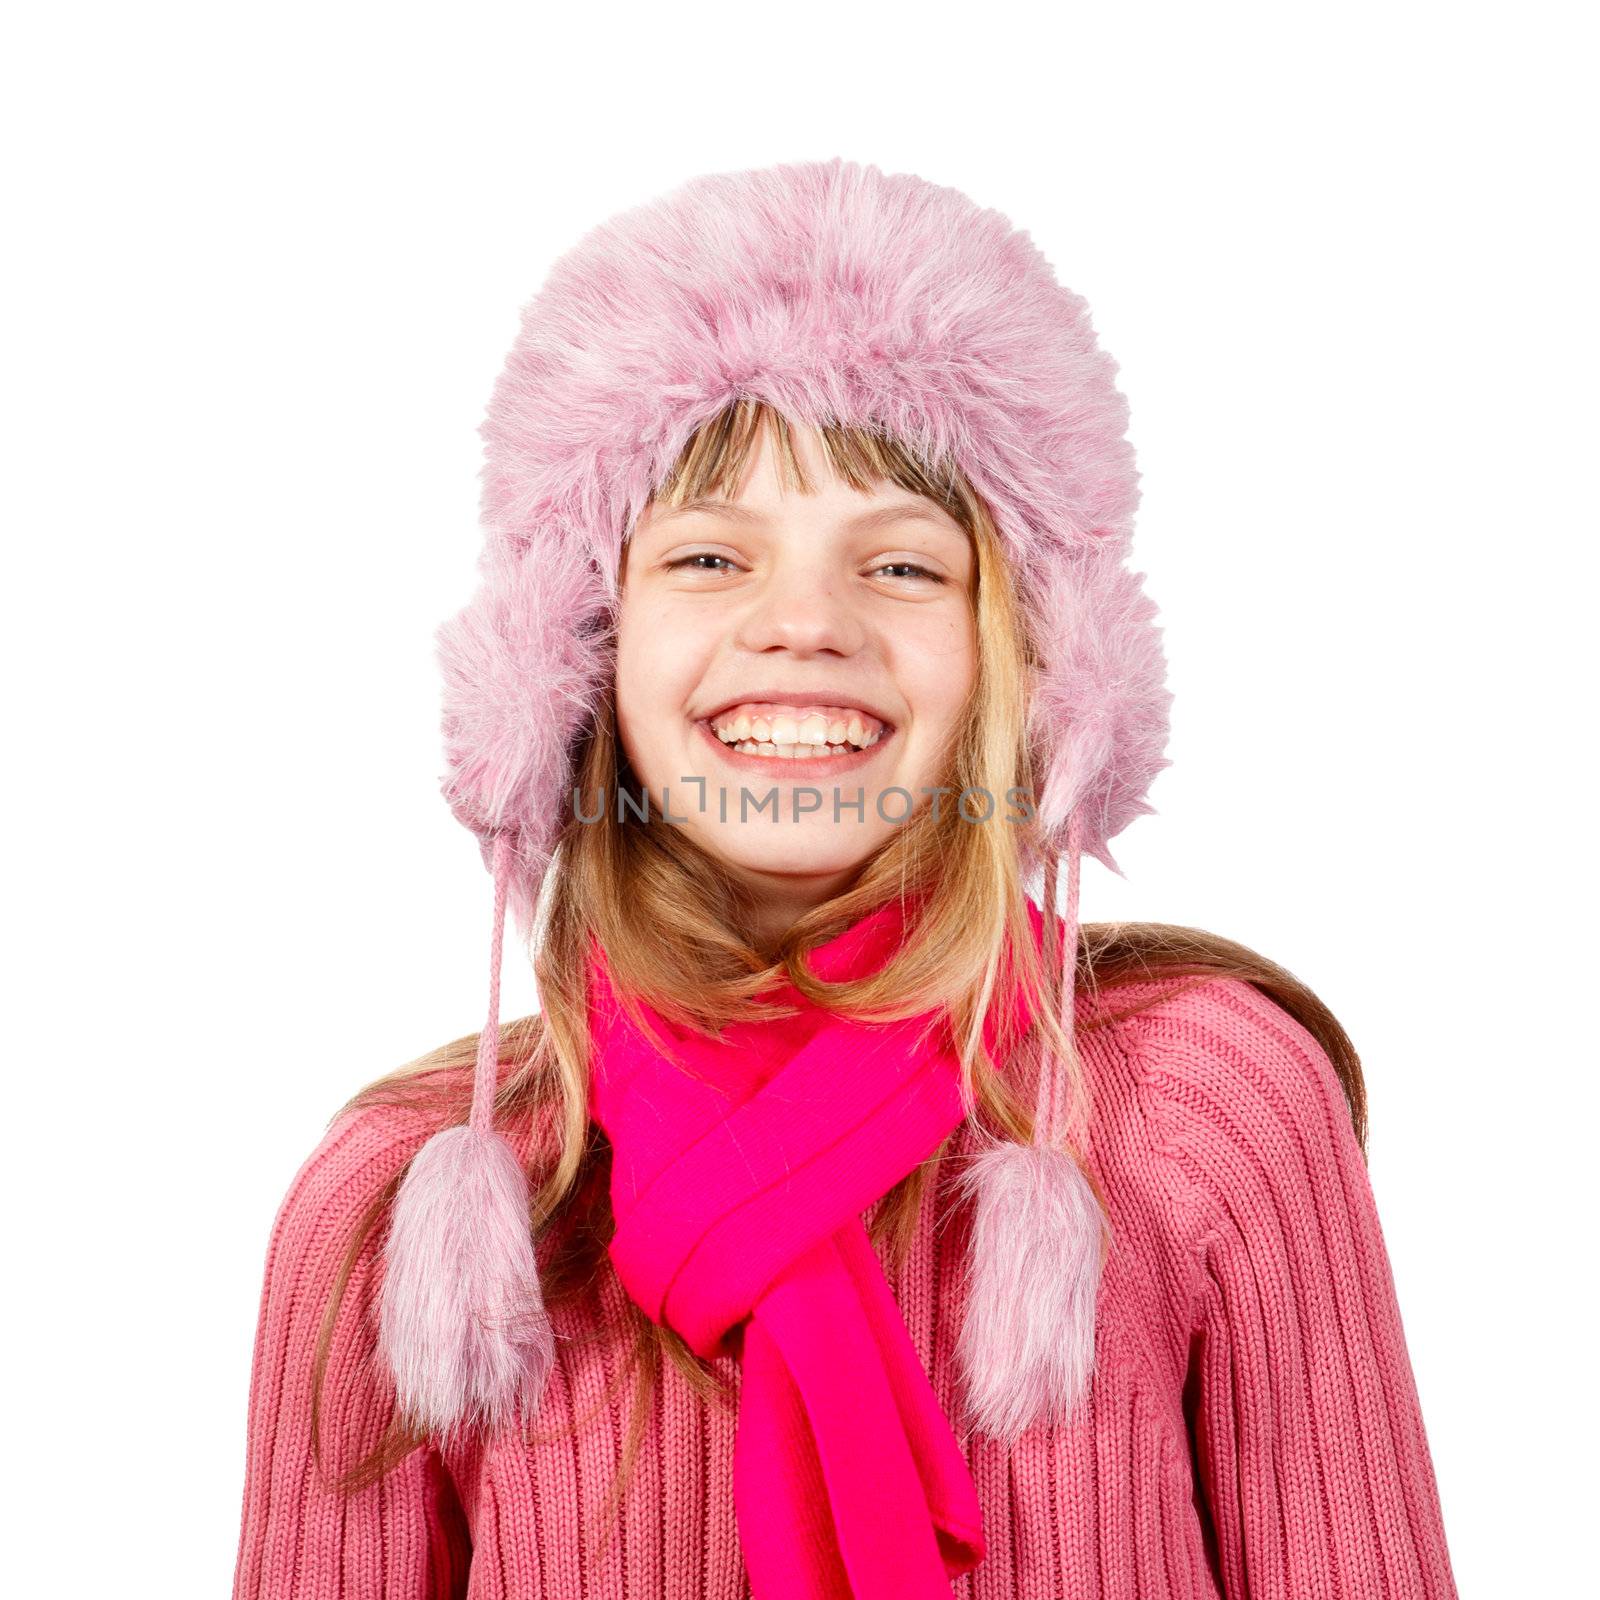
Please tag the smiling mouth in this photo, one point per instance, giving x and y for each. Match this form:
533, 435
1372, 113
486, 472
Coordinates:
794, 757
796, 731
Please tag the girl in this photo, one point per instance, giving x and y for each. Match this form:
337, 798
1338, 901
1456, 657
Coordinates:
845, 1223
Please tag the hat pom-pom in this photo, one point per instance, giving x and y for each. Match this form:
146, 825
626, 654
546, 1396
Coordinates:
1026, 1349
462, 1320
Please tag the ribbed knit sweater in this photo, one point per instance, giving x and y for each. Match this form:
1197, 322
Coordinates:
1252, 1429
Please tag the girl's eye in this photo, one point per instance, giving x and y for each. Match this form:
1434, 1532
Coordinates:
699, 555
911, 566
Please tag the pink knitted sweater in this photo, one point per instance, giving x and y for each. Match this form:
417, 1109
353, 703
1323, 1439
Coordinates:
1253, 1428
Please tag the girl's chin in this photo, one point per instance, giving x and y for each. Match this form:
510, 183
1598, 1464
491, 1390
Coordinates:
799, 860
805, 824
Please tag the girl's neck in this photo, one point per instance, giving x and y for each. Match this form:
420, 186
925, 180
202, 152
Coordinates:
779, 901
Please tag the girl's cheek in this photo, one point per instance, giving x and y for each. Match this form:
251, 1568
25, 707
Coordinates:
939, 671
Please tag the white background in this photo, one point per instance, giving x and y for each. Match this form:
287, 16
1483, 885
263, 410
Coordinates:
265, 263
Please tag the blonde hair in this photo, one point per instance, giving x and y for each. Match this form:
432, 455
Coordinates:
675, 925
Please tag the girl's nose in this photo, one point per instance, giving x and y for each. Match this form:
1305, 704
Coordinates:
803, 609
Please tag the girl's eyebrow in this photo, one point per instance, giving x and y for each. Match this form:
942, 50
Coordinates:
909, 511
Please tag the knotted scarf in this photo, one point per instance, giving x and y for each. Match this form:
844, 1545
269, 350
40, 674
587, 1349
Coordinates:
740, 1172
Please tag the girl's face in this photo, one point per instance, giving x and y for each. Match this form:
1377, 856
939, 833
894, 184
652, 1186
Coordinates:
791, 670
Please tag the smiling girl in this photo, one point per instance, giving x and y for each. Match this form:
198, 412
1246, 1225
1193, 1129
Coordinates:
772, 640
848, 1221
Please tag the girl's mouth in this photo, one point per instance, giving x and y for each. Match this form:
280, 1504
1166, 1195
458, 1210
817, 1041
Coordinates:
798, 769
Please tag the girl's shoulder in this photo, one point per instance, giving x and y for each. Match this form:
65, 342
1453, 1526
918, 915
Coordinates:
355, 1162
1235, 1100
1221, 1042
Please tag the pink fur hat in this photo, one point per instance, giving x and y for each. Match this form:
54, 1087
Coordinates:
834, 292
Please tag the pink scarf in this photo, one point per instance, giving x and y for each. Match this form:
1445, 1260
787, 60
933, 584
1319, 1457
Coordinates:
738, 1187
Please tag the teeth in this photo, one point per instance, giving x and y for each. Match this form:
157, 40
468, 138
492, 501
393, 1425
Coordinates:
803, 737
789, 752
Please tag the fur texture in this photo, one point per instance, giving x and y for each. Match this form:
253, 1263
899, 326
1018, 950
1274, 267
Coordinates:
462, 1325
835, 292
526, 668
1098, 714
1026, 1349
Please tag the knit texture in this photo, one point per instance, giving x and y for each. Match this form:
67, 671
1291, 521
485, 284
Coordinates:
1252, 1429
740, 1168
